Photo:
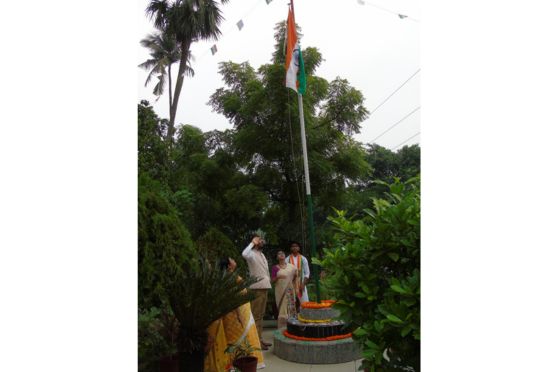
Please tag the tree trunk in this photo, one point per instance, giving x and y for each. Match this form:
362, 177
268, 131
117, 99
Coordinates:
170, 90
185, 50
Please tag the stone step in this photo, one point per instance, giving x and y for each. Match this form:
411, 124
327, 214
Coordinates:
314, 352
319, 314
316, 330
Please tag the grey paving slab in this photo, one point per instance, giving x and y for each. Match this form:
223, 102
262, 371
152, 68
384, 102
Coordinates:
342, 367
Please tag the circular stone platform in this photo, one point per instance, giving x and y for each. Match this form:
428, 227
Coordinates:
319, 314
316, 330
314, 352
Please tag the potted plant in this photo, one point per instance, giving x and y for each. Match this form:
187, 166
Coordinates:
241, 355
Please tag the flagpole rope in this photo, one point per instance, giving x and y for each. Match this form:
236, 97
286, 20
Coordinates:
298, 192
291, 9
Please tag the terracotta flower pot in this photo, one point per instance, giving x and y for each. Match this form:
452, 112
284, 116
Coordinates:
246, 364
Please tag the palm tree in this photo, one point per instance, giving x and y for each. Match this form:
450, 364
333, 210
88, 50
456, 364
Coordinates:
187, 21
164, 53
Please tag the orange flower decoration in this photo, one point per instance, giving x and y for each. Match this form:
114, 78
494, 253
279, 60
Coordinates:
316, 305
330, 338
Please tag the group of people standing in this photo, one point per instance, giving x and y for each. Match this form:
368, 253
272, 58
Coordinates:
289, 276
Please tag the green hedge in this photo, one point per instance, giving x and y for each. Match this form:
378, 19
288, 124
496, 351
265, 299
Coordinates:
373, 272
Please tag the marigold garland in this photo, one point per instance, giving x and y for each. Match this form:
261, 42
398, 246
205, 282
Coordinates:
330, 338
313, 321
316, 305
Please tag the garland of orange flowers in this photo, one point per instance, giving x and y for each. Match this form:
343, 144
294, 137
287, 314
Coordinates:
313, 321
316, 305
329, 338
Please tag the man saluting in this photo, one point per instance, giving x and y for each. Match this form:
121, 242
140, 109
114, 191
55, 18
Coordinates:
257, 265
301, 264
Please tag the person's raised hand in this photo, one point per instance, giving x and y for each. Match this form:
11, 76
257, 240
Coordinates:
256, 240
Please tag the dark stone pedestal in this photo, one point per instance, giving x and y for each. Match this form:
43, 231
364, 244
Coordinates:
314, 352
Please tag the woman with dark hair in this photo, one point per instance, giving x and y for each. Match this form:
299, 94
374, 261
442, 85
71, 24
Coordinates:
225, 263
284, 275
239, 324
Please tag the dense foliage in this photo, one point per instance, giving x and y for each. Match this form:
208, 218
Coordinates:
373, 272
200, 195
265, 142
157, 335
164, 245
235, 181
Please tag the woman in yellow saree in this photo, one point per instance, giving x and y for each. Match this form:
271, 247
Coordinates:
215, 358
239, 324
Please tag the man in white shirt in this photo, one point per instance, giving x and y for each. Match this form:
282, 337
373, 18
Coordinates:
257, 264
301, 264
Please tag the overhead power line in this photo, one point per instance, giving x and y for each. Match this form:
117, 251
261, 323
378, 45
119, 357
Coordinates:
407, 140
397, 123
395, 91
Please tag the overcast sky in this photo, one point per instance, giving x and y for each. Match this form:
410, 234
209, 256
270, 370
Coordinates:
374, 50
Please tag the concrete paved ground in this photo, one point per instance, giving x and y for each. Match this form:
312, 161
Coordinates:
275, 364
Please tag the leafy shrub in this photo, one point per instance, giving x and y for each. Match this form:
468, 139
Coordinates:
152, 152
157, 336
164, 244
373, 272
214, 245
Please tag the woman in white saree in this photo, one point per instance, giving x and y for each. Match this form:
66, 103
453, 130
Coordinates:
284, 276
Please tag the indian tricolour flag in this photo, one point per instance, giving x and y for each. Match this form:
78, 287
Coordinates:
296, 79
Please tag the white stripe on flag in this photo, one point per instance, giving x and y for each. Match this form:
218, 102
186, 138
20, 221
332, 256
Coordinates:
292, 71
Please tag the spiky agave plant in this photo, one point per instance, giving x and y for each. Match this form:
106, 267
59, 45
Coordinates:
199, 296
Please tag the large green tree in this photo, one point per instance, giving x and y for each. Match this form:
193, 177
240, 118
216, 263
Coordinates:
404, 164
153, 157
187, 21
177, 277
266, 142
387, 166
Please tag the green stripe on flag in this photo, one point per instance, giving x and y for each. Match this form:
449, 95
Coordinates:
301, 76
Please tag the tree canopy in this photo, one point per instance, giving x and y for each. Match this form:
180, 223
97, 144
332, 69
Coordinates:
202, 197
251, 176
